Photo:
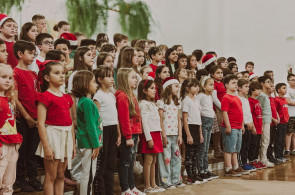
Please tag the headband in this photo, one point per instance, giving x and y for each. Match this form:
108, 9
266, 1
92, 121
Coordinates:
205, 78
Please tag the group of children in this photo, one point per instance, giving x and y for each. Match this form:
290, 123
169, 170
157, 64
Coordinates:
76, 102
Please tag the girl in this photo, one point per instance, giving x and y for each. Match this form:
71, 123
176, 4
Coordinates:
192, 131
62, 27
105, 58
145, 71
233, 67
181, 61
170, 159
29, 32
199, 55
89, 134
222, 63
10, 139
151, 140
3, 52
162, 72
171, 58
55, 128
192, 63
180, 74
130, 127
207, 117
239, 75
141, 57
142, 44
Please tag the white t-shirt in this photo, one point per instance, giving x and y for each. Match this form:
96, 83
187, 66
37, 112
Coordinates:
70, 82
206, 103
108, 109
246, 110
192, 107
291, 94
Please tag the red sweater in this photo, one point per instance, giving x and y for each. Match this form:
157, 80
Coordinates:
11, 60
282, 108
256, 114
128, 124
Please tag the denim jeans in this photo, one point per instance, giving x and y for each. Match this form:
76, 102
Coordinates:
170, 163
207, 124
127, 158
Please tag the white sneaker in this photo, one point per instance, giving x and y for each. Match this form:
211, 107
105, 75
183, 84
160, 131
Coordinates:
181, 185
127, 192
269, 164
170, 188
135, 191
159, 189
150, 190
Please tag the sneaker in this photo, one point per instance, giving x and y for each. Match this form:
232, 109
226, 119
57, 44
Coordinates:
262, 165
287, 159
180, 185
191, 181
159, 189
241, 171
150, 190
127, 192
170, 188
287, 153
137, 192
212, 175
35, 183
232, 173
274, 161
247, 167
255, 165
198, 178
24, 186
205, 176
269, 164
281, 160
293, 152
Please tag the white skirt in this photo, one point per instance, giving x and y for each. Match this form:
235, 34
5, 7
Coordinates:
60, 140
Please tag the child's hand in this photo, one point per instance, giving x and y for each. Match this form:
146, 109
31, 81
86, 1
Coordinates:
254, 132
118, 142
179, 140
279, 120
276, 121
31, 122
250, 126
201, 138
74, 152
165, 142
228, 130
95, 153
243, 130
190, 140
150, 144
129, 142
48, 154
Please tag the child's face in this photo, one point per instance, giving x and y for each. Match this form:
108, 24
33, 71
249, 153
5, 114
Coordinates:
135, 59
27, 57
3, 54
123, 43
88, 58
194, 90
56, 76
218, 75
270, 75
6, 78
173, 56
232, 85
47, 45
132, 80
245, 89
146, 73
140, 57
41, 26
113, 54
109, 61
282, 90
175, 89
93, 49
63, 61
151, 91
256, 92
7, 29
235, 69
183, 74
32, 33
108, 81
193, 62
191, 75
182, 62
179, 49
158, 57
92, 86
249, 68
64, 29
291, 80
209, 87
267, 84
240, 76
63, 48
164, 74
246, 76
223, 64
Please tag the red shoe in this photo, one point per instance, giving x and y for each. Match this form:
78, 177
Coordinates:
262, 165
256, 165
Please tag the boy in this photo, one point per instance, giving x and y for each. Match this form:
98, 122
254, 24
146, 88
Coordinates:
44, 41
245, 75
120, 41
290, 97
64, 46
7, 28
249, 67
40, 22
264, 101
232, 126
253, 152
152, 43
270, 74
100, 43
26, 89
91, 44
109, 48
280, 134
248, 121
156, 55
3, 52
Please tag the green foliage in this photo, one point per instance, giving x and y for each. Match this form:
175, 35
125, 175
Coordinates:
6, 5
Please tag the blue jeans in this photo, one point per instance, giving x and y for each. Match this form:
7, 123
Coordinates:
207, 124
170, 163
127, 158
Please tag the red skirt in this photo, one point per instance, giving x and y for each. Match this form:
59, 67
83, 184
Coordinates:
158, 145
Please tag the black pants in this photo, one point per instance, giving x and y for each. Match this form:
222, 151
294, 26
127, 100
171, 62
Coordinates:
246, 140
106, 162
254, 147
270, 148
279, 141
27, 160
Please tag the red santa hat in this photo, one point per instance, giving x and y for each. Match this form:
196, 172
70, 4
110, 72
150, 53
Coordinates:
208, 59
3, 18
169, 81
151, 76
70, 37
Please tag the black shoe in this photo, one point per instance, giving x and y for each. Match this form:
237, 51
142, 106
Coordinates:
205, 176
212, 175
287, 153
274, 161
23, 185
35, 183
198, 178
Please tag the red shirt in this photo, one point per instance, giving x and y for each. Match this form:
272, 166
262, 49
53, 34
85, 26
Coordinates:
233, 106
8, 132
26, 83
58, 108
11, 60
154, 67
128, 124
273, 109
256, 114
221, 91
282, 108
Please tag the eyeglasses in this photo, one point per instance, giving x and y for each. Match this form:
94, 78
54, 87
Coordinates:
293, 80
48, 42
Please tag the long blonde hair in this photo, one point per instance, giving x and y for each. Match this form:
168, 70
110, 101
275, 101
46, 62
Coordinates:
123, 84
9, 93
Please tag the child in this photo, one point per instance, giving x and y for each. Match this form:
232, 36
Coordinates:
88, 121
222, 63
249, 67
10, 139
265, 81
109, 48
171, 58
253, 77
130, 127
270, 74
141, 57
233, 67
191, 74
29, 32
162, 72
280, 134
170, 159
55, 128
99, 44
40, 21
151, 140
26, 88
199, 55
239, 75
64, 46
178, 48
120, 41
3, 52
192, 131
232, 126
253, 151
207, 117
181, 61
145, 71
106, 104
180, 74
155, 53
192, 63
7, 34
290, 97
105, 58
102, 36
243, 89
91, 44
62, 27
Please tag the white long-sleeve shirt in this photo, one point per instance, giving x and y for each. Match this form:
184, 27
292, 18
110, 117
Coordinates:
246, 110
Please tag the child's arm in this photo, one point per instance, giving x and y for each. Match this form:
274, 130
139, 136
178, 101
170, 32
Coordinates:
164, 137
186, 129
290, 102
226, 122
73, 133
145, 112
179, 139
216, 101
201, 135
30, 121
73, 111
118, 143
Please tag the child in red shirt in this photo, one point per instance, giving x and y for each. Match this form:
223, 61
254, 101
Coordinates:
282, 108
155, 53
249, 67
